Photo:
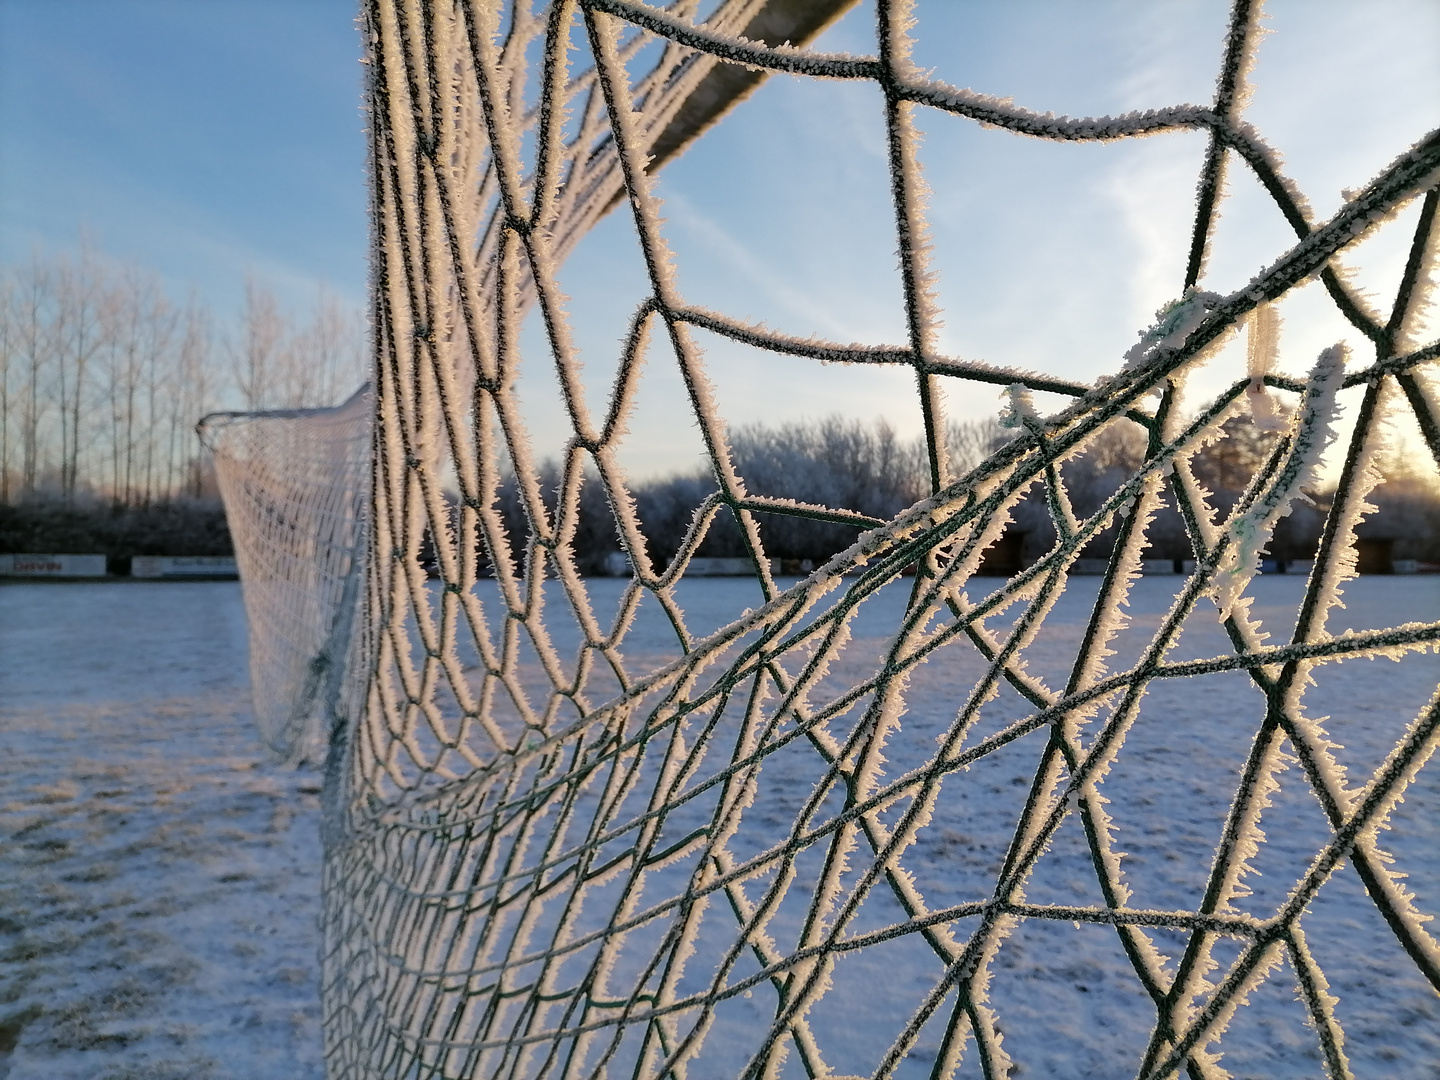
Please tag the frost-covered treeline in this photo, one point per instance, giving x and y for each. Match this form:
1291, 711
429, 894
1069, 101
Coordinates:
103, 375
834, 462
846, 464
1407, 503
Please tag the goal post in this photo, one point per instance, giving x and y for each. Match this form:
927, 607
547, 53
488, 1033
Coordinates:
775, 22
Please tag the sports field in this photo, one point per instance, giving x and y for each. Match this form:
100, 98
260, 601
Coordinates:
159, 876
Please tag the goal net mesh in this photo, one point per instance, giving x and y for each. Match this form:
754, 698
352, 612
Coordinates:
566, 841
295, 483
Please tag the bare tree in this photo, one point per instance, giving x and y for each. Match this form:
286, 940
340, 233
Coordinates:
317, 365
972, 441
1227, 466
258, 360
33, 351
137, 345
80, 302
102, 377
7, 361
158, 371
190, 398
304, 377
327, 354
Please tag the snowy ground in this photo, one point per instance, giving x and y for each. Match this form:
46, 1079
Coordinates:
158, 877
1068, 1001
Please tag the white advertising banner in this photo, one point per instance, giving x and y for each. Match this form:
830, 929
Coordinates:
183, 566
52, 566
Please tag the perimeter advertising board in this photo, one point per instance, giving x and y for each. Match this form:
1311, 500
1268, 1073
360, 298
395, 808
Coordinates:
52, 566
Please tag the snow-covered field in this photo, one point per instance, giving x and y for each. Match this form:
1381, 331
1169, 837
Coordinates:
158, 876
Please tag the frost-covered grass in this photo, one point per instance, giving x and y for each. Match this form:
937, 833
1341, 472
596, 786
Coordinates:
1068, 1001
158, 876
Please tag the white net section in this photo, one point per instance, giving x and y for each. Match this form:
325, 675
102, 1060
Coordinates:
873, 826
296, 488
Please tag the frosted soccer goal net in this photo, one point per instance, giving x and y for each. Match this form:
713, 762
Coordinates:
899, 816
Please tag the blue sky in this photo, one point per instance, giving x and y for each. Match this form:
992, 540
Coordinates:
211, 139
202, 138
